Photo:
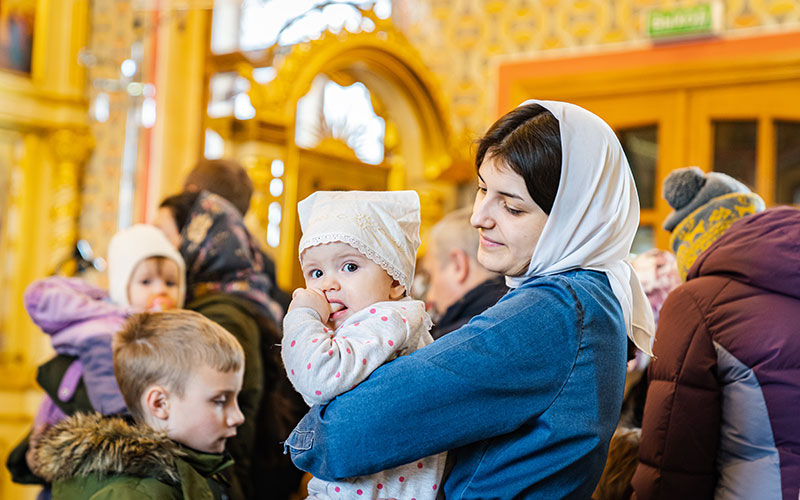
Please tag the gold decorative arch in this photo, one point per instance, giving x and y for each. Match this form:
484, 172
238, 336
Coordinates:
404, 93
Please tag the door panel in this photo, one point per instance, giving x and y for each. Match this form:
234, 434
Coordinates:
755, 110
751, 132
695, 96
787, 162
648, 124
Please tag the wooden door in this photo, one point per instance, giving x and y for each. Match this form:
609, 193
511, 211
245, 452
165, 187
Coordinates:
751, 132
726, 105
649, 127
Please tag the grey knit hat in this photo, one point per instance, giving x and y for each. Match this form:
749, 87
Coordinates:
687, 189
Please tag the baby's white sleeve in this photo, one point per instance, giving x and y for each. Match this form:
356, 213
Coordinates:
322, 364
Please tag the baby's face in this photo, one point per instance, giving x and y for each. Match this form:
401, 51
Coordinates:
348, 279
207, 414
154, 284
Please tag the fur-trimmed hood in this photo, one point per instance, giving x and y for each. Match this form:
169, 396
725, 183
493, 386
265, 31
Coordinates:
86, 445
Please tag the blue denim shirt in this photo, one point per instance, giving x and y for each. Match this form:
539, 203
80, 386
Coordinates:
525, 398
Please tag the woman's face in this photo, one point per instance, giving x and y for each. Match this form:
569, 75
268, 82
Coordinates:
507, 218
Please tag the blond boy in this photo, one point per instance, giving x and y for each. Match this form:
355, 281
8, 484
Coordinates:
180, 375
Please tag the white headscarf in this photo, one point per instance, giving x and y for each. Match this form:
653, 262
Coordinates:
594, 217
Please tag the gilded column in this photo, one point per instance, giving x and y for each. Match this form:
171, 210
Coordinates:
180, 105
257, 217
46, 167
71, 150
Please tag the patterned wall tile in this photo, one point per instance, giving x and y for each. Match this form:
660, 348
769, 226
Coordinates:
459, 38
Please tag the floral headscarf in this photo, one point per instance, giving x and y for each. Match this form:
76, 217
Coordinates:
221, 255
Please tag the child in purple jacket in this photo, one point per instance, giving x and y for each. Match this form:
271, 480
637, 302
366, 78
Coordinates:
145, 273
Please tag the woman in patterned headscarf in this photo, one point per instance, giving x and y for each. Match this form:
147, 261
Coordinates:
226, 282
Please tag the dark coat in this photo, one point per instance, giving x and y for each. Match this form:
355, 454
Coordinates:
49, 376
226, 283
474, 302
721, 415
269, 404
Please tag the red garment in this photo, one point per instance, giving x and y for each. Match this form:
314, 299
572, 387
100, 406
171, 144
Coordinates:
721, 416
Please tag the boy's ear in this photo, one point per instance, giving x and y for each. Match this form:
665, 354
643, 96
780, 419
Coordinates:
397, 291
156, 402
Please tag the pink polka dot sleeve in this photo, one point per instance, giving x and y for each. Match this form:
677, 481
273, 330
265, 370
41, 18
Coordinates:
322, 363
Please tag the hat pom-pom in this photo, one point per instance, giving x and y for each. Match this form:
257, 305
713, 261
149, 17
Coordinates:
681, 186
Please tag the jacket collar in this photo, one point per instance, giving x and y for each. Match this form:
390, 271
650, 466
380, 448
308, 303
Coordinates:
85, 445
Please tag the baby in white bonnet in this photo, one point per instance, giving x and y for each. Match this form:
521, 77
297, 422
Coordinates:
358, 254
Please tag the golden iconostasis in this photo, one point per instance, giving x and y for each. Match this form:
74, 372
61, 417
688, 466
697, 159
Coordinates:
105, 105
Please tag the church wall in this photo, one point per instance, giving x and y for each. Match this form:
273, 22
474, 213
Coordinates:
44, 145
50, 193
463, 41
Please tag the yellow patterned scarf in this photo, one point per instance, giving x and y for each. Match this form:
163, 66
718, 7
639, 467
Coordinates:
695, 233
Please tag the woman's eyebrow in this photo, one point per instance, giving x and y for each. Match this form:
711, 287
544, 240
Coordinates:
504, 193
511, 195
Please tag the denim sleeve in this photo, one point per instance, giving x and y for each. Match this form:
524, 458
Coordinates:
501, 370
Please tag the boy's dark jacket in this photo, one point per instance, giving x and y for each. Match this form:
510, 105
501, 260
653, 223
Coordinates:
98, 458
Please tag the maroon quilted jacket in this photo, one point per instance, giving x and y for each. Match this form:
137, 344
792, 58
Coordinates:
722, 415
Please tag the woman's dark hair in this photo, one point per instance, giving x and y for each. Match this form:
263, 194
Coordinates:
181, 206
225, 177
528, 140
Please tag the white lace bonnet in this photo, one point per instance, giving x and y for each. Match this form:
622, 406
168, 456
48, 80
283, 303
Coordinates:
382, 225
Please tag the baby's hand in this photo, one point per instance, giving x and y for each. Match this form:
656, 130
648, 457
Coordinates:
309, 297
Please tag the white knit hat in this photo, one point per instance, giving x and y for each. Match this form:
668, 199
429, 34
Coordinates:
131, 246
382, 225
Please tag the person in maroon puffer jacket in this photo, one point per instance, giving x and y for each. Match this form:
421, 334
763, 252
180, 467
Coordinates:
720, 418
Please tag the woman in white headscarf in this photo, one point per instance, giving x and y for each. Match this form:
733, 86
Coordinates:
525, 396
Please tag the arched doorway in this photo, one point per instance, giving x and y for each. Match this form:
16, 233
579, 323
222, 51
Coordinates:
418, 142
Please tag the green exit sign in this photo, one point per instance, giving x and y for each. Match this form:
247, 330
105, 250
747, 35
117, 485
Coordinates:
703, 19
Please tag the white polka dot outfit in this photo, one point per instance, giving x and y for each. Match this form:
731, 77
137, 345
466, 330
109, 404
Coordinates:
322, 364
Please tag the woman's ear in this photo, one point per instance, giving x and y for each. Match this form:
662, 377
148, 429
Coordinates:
397, 291
155, 402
